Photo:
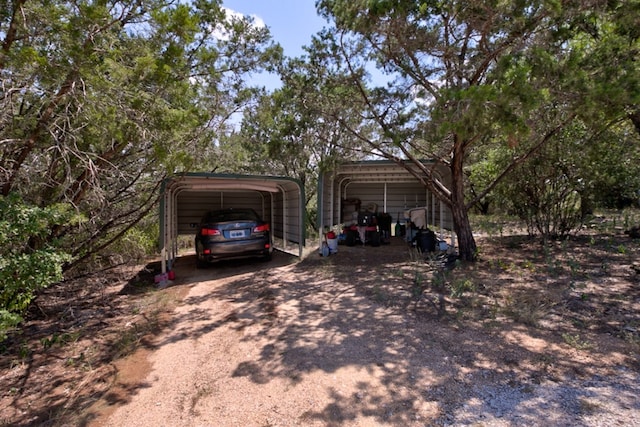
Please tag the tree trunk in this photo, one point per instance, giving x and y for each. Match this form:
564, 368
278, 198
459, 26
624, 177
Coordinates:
466, 242
459, 212
635, 119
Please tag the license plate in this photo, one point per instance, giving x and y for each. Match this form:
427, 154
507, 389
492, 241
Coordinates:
234, 234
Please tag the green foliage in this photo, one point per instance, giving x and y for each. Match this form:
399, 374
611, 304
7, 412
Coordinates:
460, 286
579, 169
546, 193
109, 99
28, 262
612, 168
137, 243
576, 341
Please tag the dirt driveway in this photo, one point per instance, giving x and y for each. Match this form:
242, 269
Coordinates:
341, 341
370, 337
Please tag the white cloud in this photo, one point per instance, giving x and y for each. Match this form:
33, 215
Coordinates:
222, 33
257, 21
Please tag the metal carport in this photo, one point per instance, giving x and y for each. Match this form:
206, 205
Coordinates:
186, 197
391, 187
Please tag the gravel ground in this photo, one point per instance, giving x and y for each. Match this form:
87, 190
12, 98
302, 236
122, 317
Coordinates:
601, 401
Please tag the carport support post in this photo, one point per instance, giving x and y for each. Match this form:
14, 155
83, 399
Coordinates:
284, 217
165, 226
433, 212
384, 201
332, 216
441, 218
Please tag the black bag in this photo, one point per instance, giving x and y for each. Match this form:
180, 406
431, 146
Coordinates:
426, 240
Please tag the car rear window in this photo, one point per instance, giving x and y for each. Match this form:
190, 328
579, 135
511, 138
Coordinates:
235, 215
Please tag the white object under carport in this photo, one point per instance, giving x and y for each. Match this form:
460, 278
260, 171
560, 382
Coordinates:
185, 198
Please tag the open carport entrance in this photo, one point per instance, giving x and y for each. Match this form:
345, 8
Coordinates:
385, 187
185, 199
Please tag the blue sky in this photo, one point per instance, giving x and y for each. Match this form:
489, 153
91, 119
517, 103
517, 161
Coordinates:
291, 22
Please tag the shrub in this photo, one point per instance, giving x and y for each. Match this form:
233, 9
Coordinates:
29, 260
137, 243
546, 192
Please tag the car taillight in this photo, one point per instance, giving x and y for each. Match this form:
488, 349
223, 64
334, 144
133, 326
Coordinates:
261, 228
210, 232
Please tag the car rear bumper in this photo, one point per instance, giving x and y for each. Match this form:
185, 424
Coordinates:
211, 252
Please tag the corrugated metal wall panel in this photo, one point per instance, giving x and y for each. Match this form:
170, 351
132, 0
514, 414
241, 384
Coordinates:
394, 200
287, 221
